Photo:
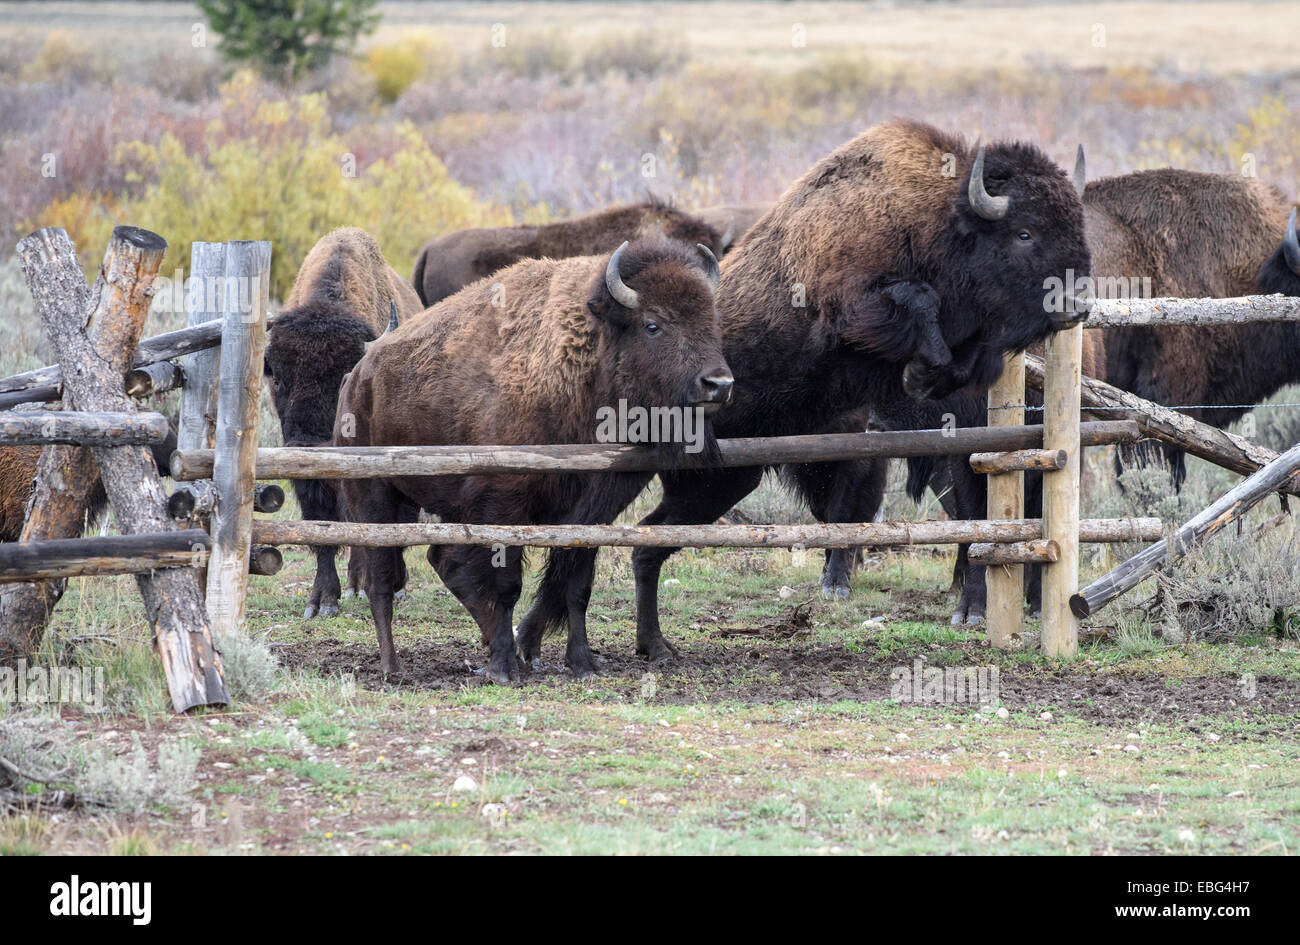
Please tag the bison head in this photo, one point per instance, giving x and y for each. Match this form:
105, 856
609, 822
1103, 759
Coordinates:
311, 348
1013, 251
1281, 271
654, 301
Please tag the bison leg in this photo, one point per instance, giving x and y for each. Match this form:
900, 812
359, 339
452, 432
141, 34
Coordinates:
356, 586
489, 589
319, 502
843, 492
690, 498
577, 594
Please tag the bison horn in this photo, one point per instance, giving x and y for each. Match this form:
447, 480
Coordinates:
623, 294
711, 270
981, 201
724, 242
392, 315
1080, 172
1291, 246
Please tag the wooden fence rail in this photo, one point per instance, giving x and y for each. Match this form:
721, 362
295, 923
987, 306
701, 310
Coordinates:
42, 427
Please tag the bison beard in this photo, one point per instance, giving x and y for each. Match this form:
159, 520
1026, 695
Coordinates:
873, 267
531, 364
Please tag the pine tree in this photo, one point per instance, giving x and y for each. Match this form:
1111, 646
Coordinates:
287, 38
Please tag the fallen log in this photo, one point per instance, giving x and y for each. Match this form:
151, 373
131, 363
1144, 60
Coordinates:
113, 554
181, 632
891, 534
41, 427
990, 554
370, 462
1200, 439
157, 378
1129, 312
1234, 503
1017, 461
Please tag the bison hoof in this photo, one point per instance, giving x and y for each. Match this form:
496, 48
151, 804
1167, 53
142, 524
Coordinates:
582, 667
349, 592
310, 612
502, 677
329, 610
836, 591
398, 596
658, 651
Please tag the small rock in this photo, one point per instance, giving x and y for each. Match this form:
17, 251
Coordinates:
669, 582
1003, 713
785, 592
464, 784
494, 814
1045, 717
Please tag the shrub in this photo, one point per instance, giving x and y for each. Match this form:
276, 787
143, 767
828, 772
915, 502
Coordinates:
286, 38
276, 170
41, 758
395, 68
250, 666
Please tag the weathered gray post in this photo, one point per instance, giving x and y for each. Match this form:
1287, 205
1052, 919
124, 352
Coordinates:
239, 402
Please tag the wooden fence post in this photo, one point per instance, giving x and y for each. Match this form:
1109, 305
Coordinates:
239, 403
92, 378
1061, 394
1006, 492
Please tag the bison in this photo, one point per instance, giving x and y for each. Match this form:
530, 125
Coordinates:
1193, 235
18, 471
344, 296
904, 260
534, 355
452, 261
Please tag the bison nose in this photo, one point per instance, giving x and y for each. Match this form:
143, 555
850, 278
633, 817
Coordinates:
715, 386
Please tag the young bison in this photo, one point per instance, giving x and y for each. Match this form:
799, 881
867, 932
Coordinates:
345, 296
535, 355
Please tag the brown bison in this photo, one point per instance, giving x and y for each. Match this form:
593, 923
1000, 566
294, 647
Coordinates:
452, 261
345, 295
1191, 235
18, 472
904, 260
538, 354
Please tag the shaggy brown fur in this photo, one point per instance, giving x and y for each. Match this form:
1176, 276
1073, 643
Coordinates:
452, 261
529, 356
734, 220
341, 300
18, 466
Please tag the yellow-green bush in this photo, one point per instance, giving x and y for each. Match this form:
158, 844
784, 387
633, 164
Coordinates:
395, 68
275, 170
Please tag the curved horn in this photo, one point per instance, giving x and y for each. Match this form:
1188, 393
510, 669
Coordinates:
392, 315
711, 270
730, 234
623, 294
981, 201
1291, 246
1080, 172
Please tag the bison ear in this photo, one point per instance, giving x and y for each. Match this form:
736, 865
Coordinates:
609, 312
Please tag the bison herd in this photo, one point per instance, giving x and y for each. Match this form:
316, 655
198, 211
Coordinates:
882, 289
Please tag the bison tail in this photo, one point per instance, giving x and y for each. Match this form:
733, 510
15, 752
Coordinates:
920, 470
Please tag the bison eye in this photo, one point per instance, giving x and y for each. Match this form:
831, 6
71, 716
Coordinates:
1024, 236
652, 329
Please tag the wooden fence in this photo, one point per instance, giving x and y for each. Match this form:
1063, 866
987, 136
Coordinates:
192, 549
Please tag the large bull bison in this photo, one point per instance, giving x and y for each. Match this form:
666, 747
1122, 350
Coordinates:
345, 295
902, 260
18, 471
535, 355
454, 260
1191, 235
